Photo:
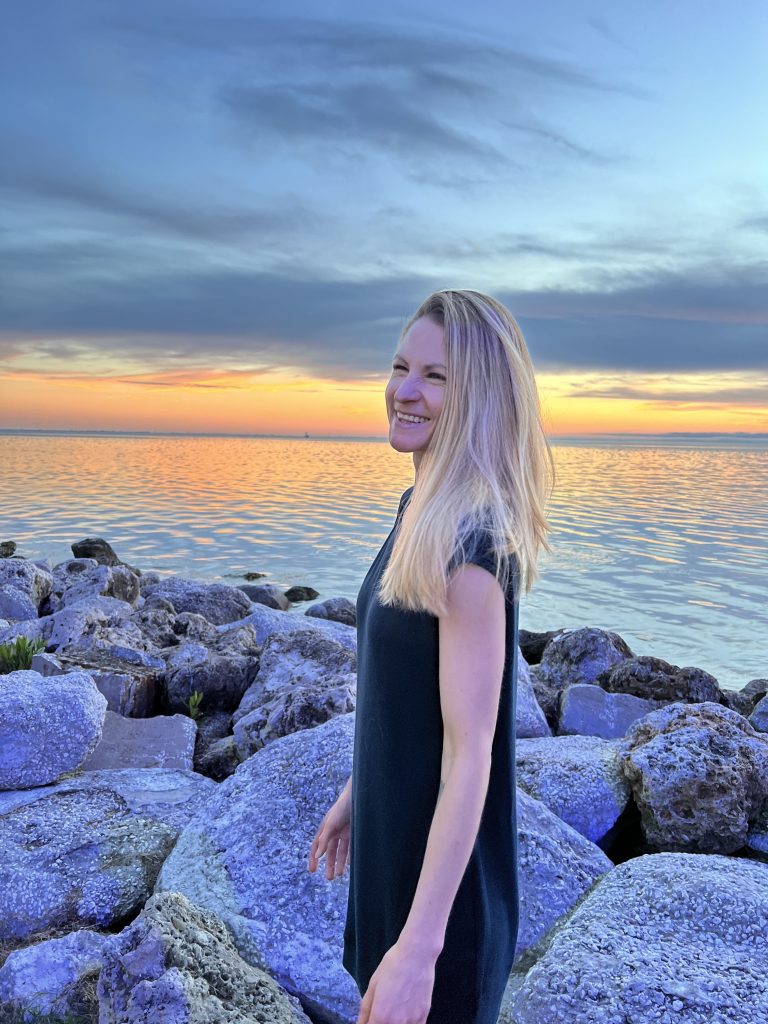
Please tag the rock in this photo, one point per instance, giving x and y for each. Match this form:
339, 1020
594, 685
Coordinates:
220, 759
217, 602
759, 717
32, 629
267, 622
47, 665
699, 774
337, 609
302, 707
579, 778
165, 741
757, 837
222, 673
177, 964
81, 578
211, 727
160, 624
80, 621
26, 576
571, 657
589, 710
664, 937
556, 866
296, 594
7, 548
533, 645
86, 851
149, 580
307, 659
215, 750
15, 604
98, 549
530, 719
48, 726
266, 593
128, 679
655, 679
50, 977
245, 858
748, 697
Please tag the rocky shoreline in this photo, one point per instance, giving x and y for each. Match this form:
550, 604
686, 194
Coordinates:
170, 747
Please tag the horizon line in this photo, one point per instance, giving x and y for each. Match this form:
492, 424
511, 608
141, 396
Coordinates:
354, 437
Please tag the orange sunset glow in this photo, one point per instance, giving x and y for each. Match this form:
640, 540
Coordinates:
283, 402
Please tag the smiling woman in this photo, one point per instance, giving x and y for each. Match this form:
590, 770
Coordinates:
430, 816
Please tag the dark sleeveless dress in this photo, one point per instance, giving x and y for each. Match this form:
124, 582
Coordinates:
397, 759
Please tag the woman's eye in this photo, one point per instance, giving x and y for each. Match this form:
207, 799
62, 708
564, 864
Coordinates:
438, 375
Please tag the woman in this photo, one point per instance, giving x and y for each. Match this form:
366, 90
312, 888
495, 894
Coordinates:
429, 815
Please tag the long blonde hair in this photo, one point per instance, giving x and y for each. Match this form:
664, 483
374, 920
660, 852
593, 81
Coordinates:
488, 463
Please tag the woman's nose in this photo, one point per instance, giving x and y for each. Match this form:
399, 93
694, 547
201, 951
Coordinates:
407, 389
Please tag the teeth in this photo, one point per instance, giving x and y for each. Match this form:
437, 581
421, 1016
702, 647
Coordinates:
412, 419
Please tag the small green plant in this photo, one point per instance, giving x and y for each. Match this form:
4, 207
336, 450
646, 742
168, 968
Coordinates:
194, 702
18, 654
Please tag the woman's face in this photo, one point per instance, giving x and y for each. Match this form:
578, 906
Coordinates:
416, 387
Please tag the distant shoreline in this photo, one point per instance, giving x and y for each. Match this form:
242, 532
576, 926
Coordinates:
680, 435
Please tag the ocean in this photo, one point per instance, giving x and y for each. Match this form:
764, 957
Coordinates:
660, 538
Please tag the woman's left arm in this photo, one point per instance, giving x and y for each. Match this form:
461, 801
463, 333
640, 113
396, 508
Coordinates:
472, 652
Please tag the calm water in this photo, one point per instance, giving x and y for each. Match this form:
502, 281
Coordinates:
663, 541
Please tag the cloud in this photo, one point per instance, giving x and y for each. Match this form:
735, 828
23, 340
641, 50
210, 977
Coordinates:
704, 318
749, 395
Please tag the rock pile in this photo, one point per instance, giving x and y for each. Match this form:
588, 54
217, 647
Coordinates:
168, 756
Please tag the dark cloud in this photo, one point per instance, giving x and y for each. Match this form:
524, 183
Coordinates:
211, 220
707, 319
749, 396
371, 45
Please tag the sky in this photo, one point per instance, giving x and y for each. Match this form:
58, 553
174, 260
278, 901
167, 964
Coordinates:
218, 217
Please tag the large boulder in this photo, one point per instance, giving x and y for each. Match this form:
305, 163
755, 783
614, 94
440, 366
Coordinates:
77, 623
217, 602
100, 550
664, 937
530, 720
55, 977
589, 710
302, 707
48, 726
579, 778
245, 858
556, 867
268, 621
655, 679
163, 741
28, 577
699, 774
575, 656
176, 963
338, 609
81, 578
222, 673
303, 680
86, 851
16, 605
128, 679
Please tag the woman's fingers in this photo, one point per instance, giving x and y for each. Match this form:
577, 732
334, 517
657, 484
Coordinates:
330, 858
316, 849
342, 855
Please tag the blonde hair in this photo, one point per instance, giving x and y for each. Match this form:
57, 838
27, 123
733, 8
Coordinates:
488, 464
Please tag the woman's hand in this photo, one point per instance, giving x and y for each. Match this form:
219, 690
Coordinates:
400, 989
333, 838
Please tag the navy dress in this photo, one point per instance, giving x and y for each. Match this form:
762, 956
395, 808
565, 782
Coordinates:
397, 758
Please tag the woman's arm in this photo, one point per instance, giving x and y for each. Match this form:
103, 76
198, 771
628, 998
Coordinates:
472, 652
